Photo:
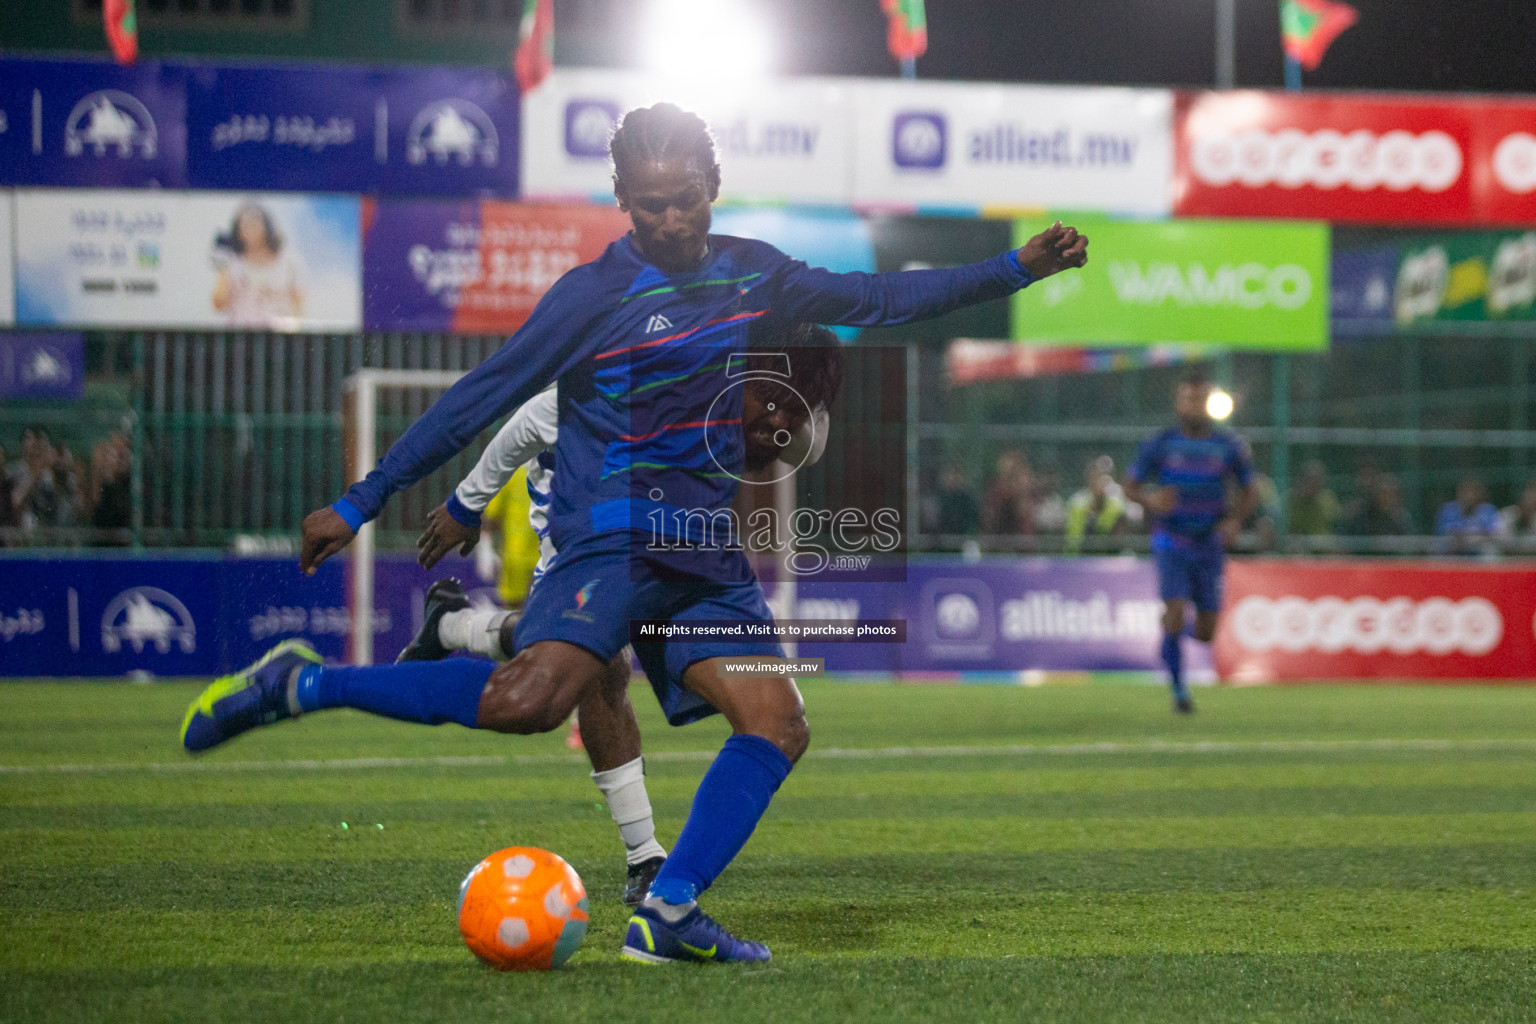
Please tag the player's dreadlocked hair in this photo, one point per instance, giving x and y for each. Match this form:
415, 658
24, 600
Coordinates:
815, 360
658, 132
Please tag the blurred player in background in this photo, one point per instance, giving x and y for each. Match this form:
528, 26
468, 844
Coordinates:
1181, 477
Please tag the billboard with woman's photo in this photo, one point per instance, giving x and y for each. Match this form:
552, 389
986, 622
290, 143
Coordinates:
188, 259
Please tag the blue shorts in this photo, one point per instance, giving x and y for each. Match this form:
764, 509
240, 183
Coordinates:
1191, 574
593, 590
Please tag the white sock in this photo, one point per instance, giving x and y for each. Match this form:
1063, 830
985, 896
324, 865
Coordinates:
630, 805
475, 630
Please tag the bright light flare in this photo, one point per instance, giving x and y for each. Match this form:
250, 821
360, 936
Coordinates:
699, 45
1219, 405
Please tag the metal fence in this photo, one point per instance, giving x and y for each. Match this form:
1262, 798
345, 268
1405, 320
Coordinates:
239, 435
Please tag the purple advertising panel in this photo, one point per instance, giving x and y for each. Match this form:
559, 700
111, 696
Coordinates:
42, 365
395, 131
1362, 288
92, 123
1004, 616
203, 616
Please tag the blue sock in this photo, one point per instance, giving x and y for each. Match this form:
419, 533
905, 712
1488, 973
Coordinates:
730, 801
1173, 657
429, 692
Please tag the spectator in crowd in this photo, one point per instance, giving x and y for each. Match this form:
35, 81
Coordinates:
34, 490
953, 512
1100, 509
1367, 476
1313, 510
1383, 513
1262, 524
7, 508
69, 481
1008, 508
1050, 509
111, 483
1519, 520
1470, 522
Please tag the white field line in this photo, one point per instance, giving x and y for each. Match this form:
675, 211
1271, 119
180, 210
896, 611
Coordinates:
1109, 748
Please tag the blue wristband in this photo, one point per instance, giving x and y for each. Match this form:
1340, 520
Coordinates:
1029, 279
461, 513
350, 514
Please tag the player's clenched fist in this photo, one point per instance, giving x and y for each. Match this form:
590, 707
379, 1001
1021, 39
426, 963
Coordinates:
325, 533
1053, 250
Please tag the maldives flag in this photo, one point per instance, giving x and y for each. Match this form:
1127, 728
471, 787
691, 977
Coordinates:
122, 29
1309, 27
535, 56
907, 37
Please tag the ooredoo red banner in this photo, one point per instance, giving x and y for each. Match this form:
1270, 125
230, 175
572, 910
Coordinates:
1261, 154
1376, 620
1370, 159
1505, 182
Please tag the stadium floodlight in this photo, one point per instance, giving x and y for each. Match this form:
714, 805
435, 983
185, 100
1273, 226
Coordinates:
1219, 405
700, 49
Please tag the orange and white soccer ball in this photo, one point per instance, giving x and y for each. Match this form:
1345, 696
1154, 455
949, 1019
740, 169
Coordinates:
523, 909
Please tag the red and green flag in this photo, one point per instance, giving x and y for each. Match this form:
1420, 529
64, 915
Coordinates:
535, 56
1309, 27
907, 35
122, 29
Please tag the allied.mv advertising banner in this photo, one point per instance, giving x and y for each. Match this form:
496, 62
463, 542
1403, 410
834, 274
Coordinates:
1238, 284
147, 258
787, 143
954, 145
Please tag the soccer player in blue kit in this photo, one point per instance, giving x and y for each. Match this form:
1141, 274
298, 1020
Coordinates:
640, 341
1181, 476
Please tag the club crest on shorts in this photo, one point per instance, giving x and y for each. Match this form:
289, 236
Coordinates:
582, 597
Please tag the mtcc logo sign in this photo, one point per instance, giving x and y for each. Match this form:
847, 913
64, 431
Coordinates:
111, 121
1367, 625
147, 615
452, 129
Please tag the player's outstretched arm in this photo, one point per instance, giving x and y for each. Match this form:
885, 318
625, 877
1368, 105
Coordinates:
817, 295
1053, 250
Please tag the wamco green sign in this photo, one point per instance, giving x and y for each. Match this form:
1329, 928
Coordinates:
1237, 284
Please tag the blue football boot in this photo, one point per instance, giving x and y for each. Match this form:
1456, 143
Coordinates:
254, 696
697, 938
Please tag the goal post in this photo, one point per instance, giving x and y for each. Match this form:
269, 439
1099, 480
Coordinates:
360, 431
360, 434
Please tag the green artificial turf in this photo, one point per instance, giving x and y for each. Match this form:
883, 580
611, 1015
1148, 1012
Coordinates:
1073, 854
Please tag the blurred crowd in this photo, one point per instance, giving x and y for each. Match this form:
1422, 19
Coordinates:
48, 487
1020, 501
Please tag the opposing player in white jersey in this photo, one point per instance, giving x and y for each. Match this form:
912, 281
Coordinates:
527, 439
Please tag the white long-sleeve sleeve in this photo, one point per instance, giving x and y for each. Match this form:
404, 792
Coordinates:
531, 429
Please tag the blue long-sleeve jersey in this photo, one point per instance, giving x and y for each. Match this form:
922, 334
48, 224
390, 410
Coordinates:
649, 416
